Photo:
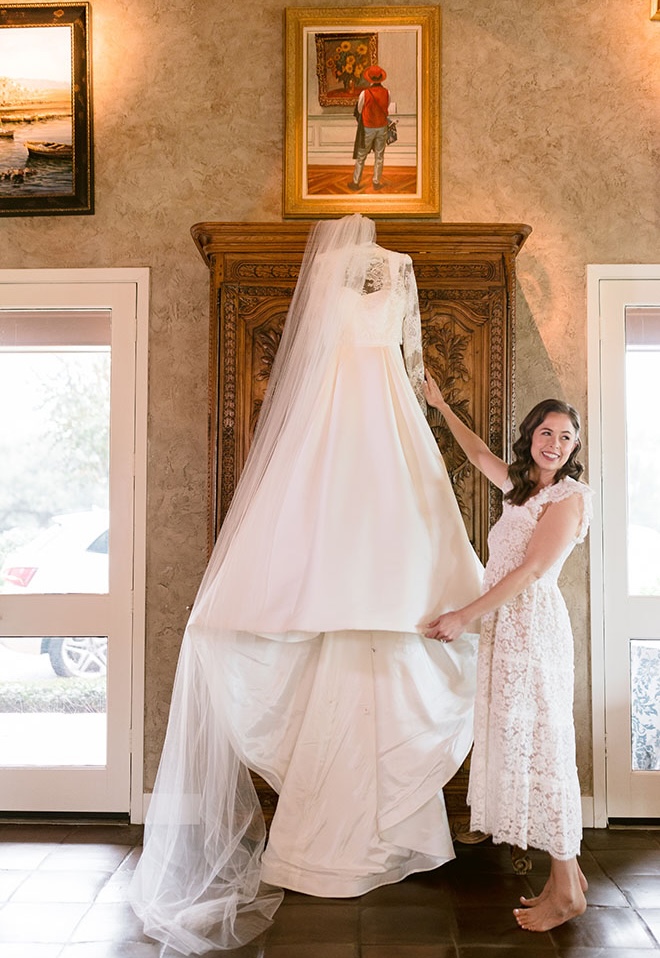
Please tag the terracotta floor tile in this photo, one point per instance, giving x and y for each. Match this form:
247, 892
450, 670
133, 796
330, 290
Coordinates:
526, 948
578, 952
116, 888
471, 889
621, 865
408, 951
605, 928
643, 891
25, 857
20, 950
56, 921
315, 950
129, 863
651, 918
10, 880
616, 839
406, 924
42, 832
315, 923
90, 857
109, 921
54, 886
426, 888
495, 926
462, 910
106, 834
111, 949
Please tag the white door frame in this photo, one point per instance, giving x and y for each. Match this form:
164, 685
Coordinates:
596, 274
139, 279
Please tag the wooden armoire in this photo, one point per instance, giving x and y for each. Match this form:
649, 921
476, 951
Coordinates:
466, 280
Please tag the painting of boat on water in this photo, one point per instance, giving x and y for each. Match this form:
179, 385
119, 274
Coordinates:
45, 110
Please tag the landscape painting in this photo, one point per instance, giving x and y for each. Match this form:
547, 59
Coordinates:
45, 110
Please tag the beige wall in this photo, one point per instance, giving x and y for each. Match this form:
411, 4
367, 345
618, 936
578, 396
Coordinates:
550, 116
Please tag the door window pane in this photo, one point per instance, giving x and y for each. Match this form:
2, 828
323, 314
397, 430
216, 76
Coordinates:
645, 703
54, 446
643, 448
53, 703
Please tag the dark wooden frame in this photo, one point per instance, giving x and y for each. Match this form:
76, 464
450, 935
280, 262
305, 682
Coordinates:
81, 198
466, 281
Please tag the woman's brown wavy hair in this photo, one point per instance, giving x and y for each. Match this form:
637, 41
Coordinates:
519, 470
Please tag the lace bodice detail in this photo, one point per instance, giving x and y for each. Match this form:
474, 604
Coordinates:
509, 537
384, 311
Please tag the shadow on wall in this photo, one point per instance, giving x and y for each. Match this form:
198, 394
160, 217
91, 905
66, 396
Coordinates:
536, 375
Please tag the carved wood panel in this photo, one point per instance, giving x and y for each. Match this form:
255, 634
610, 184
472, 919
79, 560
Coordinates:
466, 280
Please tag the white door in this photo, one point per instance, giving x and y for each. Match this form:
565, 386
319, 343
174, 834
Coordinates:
71, 420
626, 575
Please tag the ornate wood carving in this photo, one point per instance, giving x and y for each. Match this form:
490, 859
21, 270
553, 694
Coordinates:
466, 279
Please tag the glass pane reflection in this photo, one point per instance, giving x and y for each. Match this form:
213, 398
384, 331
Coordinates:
645, 703
643, 448
54, 447
53, 701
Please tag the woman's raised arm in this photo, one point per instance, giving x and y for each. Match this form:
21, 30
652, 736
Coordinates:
493, 468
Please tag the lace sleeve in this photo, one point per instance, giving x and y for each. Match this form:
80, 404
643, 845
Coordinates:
562, 490
412, 334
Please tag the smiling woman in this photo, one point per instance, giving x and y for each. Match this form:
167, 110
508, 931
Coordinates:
524, 788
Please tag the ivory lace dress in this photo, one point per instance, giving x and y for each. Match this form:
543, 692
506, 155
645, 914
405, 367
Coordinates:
524, 787
303, 659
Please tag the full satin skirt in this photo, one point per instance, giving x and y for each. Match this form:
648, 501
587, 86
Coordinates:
304, 662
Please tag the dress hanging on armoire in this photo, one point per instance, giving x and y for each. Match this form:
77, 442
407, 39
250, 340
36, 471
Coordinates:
303, 658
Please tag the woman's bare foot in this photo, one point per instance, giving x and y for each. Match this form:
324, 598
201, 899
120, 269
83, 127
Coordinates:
561, 899
530, 902
550, 912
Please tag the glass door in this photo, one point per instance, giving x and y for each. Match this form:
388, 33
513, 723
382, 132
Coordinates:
67, 430
630, 440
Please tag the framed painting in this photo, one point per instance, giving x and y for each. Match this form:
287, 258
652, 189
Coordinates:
362, 125
341, 59
655, 9
45, 109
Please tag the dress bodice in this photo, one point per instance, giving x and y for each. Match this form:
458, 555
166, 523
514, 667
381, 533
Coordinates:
373, 318
510, 536
378, 306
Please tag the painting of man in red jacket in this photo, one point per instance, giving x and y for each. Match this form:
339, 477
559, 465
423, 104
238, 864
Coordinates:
371, 111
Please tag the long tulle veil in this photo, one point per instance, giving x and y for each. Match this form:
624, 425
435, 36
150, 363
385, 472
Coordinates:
310, 340
197, 886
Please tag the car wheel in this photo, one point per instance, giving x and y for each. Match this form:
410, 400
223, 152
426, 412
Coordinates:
73, 656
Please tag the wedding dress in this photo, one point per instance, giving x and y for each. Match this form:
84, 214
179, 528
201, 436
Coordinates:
303, 659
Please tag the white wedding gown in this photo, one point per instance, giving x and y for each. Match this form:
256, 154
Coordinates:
304, 660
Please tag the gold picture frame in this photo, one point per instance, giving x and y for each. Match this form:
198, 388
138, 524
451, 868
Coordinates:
321, 98
655, 9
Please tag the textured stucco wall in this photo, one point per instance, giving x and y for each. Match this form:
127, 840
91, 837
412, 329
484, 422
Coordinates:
550, 117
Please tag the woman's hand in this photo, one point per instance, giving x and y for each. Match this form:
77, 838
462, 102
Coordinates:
448, 626
432, 392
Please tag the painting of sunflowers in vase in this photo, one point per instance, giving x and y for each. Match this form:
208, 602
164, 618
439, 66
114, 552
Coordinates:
341, 59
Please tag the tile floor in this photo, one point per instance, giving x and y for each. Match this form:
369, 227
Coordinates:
63, 887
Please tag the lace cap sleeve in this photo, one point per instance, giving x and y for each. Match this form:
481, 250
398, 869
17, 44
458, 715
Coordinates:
412, 333
563, 490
